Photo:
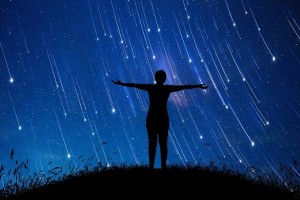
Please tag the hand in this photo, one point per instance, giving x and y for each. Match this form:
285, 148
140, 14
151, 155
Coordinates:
203, 86
118, 82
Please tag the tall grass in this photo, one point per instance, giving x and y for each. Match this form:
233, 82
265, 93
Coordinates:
20, 179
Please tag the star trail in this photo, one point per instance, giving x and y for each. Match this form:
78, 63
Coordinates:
57, 101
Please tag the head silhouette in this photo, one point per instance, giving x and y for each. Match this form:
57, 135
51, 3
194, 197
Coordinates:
160, 77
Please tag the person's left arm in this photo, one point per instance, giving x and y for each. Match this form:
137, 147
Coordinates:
175, 88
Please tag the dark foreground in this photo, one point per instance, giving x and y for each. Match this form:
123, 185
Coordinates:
174, 182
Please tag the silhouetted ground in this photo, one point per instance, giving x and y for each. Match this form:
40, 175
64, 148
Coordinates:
174, 182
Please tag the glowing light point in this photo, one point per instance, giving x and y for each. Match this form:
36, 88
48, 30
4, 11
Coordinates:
246, 12
226, 107
69, 156
96, 112
153, 57
273, 58
234, 24
188, 17
113, 110
240, 161
97, 39
202, 60
190, 60
149, 29
65, 114
258, 29
11, 80
122, 41
252, 143
84, 119
93, 133
104, 34
201, 137
158, 29
108, 165
187, 35
20, 128
267, 123
244, 79
57, 86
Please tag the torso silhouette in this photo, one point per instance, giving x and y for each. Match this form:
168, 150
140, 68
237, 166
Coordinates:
158, 117
158, 97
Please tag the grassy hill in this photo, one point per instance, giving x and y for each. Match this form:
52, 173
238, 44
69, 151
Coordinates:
178, 182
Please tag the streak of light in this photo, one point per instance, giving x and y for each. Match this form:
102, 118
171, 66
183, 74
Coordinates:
158, 29
215, 86
100, 142
101, 20
258, 112
177, 44
232, 20
177, 150
109, 96
293, 26
90, 10
92, 141
227, 140
218, 72
11, 80
197, 48
50, 62
118, 148
263, 39
116, 20
230, 51
75, 87
233, 23
185, 9
12, 103
148, 28
251, 141
273, 168
295, 170
246, 12
129, 143
200, 135
190, 60
61, 85
61, 133
25, 41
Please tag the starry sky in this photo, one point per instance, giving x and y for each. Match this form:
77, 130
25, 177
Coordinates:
57, 101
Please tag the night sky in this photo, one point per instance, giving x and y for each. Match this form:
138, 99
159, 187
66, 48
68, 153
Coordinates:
57, 101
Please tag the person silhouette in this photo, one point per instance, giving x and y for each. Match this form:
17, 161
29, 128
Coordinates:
157, 121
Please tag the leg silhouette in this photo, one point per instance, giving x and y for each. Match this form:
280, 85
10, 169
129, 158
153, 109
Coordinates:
152, 138
157, 129
163, 143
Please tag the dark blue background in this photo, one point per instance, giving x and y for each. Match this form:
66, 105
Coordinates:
62, 56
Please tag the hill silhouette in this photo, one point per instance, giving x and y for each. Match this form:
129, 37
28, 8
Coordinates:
173, 182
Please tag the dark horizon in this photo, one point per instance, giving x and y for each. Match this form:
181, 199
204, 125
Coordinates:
189, 181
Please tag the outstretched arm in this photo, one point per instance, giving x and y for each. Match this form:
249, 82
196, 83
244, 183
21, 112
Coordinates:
175, 88
134, 85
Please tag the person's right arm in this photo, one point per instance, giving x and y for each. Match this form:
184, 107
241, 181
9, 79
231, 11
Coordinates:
134, 85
